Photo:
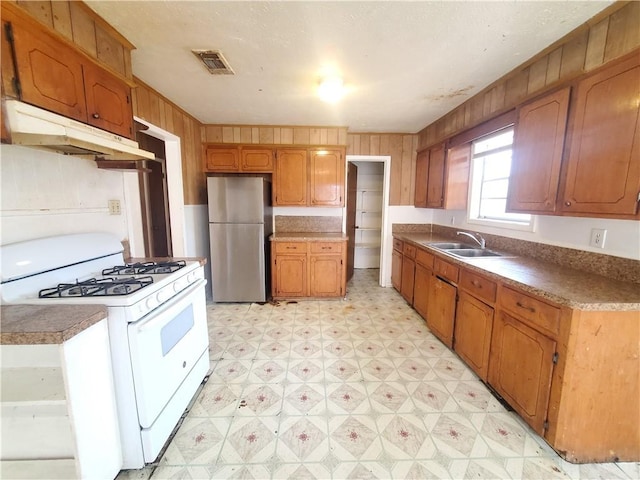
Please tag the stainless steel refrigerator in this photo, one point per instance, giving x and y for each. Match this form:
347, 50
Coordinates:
240, 222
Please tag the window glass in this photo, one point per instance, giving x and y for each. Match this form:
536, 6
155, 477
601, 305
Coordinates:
491, 166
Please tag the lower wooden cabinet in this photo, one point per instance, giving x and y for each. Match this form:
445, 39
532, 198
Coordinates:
521, 368
290, 275
396, 266
441, 309
472, 333
408, 273
308, 269
422, 279
573, 375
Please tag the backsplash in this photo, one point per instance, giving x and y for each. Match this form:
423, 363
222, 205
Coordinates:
618, 268
289, 224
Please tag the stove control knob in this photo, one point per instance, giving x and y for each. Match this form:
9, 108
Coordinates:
162, 295
177, 286
151, 303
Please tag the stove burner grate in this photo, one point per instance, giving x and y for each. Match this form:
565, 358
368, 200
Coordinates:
103, 287
146, 268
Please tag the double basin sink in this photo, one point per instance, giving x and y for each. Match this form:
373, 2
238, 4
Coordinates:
464, 250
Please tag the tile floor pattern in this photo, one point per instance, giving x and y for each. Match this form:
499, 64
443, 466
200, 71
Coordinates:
349, 389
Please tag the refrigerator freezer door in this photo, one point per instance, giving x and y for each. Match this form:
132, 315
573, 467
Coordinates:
237, 262
236, 199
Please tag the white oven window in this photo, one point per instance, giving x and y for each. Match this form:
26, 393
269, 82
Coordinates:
176, 329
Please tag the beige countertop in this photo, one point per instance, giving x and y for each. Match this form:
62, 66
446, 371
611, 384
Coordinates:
46, 324
308, 236
564, 286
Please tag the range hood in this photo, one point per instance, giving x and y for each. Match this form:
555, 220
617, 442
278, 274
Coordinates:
35, 127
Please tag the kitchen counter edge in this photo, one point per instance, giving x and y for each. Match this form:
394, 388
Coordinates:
46, 324
554, 278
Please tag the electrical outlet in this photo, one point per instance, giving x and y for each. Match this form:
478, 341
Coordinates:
114, 207
598, 236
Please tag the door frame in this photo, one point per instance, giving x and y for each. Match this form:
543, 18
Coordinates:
175, 193
385, 234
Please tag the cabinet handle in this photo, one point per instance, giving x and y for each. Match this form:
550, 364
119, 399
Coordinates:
290, 248
521, 305
476, 284
326, 248
568, 204
96, 115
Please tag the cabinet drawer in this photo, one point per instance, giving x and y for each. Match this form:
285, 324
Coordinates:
291, 247
539, 314
478, 286
409, 251
397, 244
424, 258
446, 270
326, 247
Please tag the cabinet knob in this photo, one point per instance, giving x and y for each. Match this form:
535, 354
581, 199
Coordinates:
567, 203
96, 115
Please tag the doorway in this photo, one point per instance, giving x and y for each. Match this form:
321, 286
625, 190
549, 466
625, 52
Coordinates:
367, 212
154, 199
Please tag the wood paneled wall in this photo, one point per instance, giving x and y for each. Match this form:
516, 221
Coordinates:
402, 149
86, 29
274, 135
154, 108
609, 35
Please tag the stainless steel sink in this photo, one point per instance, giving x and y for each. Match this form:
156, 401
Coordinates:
450, 245
472, 252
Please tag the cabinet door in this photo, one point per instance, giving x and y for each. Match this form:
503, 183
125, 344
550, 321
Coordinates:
422, 175
603, 166
458, 162
472, 339
325, 273
396, 270
290, 178
441, 310
50, 73
256, 160
108, 101
221, 159
520, 368
537, 153
326, 178
291, 276
421, 290
408, 272
435, 184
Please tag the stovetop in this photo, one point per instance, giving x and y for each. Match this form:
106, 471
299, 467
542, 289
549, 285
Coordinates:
114, 282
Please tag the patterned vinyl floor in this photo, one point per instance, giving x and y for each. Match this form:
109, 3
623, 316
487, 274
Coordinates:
349, 389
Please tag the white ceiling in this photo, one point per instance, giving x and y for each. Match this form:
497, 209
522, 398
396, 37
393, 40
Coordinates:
405, 63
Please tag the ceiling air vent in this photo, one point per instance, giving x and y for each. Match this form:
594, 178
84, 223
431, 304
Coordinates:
214, 61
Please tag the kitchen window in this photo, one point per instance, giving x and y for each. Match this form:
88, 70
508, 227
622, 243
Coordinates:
490, 168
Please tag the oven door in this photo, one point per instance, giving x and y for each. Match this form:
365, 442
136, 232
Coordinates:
164, 347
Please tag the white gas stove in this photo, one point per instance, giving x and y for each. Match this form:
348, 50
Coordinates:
157, 324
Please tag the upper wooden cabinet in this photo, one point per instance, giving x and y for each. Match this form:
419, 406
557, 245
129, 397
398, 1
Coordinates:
50, 74
290, 178
309, 177
537, 154
603, 162
442, 177
234, 159
326, 177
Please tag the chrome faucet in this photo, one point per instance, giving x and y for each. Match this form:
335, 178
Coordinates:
479, 240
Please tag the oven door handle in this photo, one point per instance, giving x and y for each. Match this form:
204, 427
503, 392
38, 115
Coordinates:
158, 318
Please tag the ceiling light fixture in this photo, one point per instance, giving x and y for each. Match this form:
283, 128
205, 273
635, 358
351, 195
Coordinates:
331, 89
